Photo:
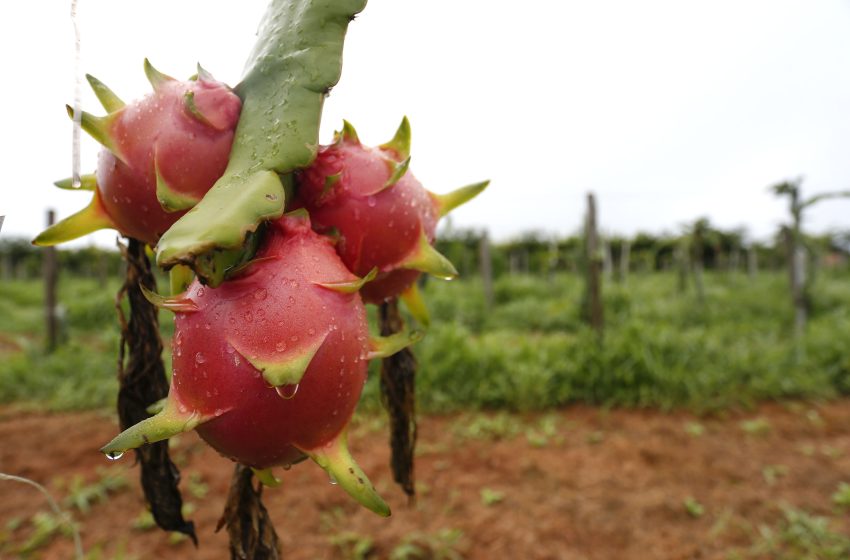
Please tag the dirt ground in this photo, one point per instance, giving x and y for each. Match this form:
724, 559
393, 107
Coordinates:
578, 483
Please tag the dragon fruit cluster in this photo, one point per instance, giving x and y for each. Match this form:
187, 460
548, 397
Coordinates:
269, 365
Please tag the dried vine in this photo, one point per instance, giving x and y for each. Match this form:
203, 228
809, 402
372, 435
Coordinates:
398, 393
142, 379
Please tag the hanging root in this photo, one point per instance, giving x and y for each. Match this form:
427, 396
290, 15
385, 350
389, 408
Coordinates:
252, 535
398, 385
143, 382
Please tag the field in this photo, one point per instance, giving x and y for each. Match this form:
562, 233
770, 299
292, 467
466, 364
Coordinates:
692, 430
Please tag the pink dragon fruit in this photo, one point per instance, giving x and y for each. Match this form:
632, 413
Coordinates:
381, 215
161, 155
270, 365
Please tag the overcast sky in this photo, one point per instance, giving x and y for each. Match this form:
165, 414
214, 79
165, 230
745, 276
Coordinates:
668, 111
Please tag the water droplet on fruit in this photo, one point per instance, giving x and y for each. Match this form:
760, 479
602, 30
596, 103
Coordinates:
333, 480
200, 292
287, 466
260, 294
200, 358
218, 412
229, 349
291, 300
280, 346
311, 331
248, 316
114, 455
286, 391
294, 339
371, 201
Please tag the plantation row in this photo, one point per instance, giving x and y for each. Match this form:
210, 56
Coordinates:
530, 350
530, 253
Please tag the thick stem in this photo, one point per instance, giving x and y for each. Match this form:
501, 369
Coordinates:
398, 393
142, 383
252, 535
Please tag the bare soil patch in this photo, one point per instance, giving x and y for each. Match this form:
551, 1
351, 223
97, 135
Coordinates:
577, 483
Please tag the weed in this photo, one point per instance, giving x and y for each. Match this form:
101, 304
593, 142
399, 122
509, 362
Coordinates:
442, 545
772, 473
694, 429
490, 497
800, 536
841, 497
353, 546
756, 426
693, 507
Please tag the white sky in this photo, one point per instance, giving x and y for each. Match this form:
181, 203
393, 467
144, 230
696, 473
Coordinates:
667, 110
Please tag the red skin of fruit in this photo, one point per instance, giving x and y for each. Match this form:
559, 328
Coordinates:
377, 227
271, 311
191, 155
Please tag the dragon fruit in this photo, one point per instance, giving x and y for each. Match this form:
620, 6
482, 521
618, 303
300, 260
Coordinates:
379, 212
161, 154
270, 365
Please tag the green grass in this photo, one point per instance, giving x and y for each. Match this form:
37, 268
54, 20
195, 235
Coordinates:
531, 351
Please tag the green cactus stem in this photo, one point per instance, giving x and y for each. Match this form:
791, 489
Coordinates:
106, 96
449, 201
290, 368
427, 259
297, 58
412, 298
337, 461
349, 287
179, 278
167, 423
91, 218
400, 143
385, 346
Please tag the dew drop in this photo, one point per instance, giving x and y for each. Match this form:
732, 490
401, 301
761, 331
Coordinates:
371, 201
294, 339
248, 316
230, 349
280, 346
291, 300
287, 466
286, 391
311, 331
200, 292
200, 358
114, 455
333, 480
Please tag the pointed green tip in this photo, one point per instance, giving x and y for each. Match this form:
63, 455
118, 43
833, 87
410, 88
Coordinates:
289, 368
87, 183
412, 298
204, 75
349, 287
400, 143
449, 201
169, 199
174, 304
165, 424
341, 467
97, 128
349, 134
398, 171
91, 218
385, 346
426, 258
266, 477
106, 96
154, 76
